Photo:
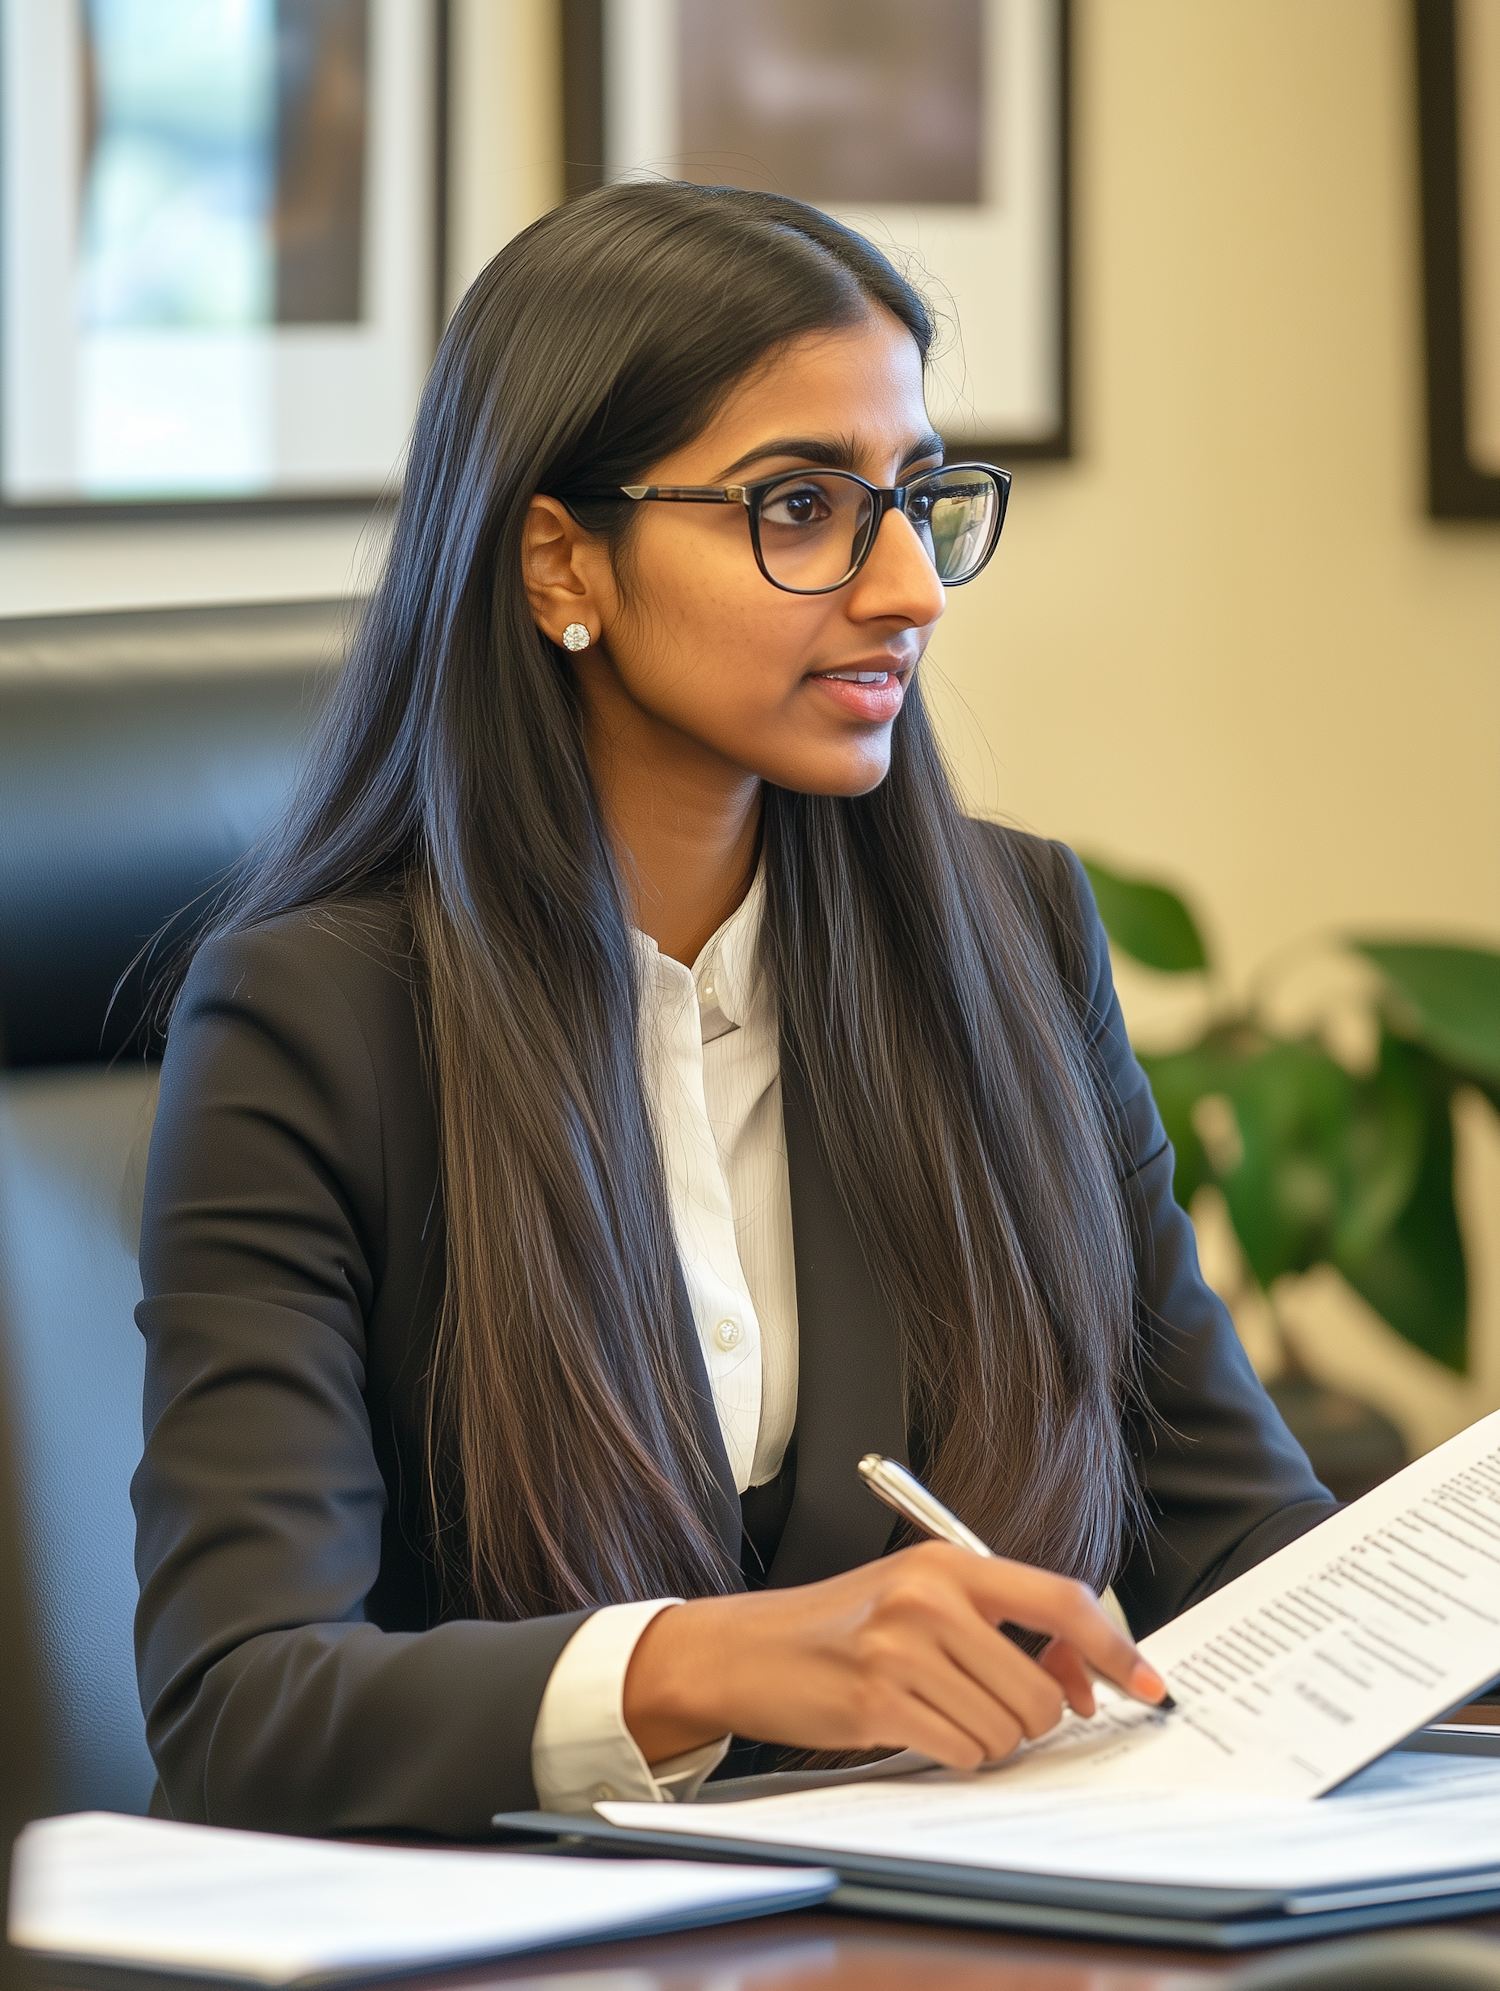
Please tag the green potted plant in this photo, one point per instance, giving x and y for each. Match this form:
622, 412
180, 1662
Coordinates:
1319, 1163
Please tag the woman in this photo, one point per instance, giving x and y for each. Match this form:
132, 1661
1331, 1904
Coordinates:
630, 1090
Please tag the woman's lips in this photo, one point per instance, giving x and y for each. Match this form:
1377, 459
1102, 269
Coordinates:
874, 696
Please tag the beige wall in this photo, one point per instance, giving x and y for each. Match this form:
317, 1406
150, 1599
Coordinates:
1224, 644
505, 107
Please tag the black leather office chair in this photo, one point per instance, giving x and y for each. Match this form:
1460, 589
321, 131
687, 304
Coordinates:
140, 756
24, 1784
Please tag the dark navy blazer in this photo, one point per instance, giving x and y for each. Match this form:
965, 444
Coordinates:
298, 1667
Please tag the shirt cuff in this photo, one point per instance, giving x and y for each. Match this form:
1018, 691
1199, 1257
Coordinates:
582, 1753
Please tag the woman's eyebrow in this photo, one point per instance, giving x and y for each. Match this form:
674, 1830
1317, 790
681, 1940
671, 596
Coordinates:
835, 452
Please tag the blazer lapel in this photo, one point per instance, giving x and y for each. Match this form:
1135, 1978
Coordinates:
723, 1507
849, 1397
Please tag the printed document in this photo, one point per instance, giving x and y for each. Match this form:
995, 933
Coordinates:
265, 1909
1388, 1834
1288, 1681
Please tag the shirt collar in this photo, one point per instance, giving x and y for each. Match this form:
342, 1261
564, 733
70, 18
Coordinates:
725, 978
722, 982
728, 969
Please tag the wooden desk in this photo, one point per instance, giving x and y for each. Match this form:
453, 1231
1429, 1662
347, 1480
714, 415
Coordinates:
818, 1951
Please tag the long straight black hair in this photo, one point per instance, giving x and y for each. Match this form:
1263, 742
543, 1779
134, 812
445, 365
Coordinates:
907, 948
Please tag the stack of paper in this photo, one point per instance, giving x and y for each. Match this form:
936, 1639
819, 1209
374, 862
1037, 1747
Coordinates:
1402, 1826
267, 1910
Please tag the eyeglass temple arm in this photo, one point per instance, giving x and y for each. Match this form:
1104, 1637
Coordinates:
688, 494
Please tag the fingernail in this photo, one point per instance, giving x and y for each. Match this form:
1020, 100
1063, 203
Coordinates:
1148, 1685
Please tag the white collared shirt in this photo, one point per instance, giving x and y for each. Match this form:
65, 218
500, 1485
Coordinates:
710, 1056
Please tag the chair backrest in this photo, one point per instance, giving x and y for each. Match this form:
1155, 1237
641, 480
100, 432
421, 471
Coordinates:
69, 1279
140, 757
24, 1789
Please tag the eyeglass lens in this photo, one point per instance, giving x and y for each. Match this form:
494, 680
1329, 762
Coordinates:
815, 525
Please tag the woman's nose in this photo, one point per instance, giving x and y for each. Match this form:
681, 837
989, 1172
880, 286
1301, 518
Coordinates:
899, 578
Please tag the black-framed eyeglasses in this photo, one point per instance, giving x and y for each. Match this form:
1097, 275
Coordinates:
812, 530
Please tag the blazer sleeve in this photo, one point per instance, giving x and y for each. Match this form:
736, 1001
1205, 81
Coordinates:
271, 1699
1224, 1482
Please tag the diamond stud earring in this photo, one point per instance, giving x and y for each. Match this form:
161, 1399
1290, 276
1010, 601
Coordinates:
576, 636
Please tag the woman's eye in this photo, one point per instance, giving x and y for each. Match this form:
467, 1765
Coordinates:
807, 506
919, 509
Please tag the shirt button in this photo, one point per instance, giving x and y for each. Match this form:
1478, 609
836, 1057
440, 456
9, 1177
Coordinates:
604, 1793
729, 1334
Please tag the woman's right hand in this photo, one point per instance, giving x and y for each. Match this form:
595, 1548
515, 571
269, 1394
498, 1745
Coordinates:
903, 1653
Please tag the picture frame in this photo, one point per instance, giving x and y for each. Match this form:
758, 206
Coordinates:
992, 251
221, 265
1458, 99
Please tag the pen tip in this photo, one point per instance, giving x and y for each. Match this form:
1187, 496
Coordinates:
1166, 1704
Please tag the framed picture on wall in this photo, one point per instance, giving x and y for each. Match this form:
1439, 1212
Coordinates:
220, 229
1458, 71
939, 130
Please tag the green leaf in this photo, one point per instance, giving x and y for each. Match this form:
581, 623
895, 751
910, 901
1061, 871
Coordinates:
1292, 1104
1329, 1168
1147, 922
1453, 995
1413, 1274
1383, 1144
1179, 1079
1315, 1165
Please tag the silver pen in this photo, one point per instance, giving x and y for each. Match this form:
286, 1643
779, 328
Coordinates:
902, 1490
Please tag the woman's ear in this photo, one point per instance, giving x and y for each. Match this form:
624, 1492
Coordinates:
560, 570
